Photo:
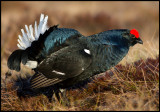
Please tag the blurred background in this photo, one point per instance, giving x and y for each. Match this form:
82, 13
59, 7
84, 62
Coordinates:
134, 86
86, 17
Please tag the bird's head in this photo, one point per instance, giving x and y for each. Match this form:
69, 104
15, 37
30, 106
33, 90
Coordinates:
132, 36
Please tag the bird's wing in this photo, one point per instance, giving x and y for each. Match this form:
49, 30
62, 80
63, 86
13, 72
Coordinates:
39, 81
65, 63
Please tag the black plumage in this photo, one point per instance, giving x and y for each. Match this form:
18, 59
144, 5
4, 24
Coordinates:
67, 58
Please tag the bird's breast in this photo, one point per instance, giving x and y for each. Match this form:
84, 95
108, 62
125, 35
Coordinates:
107, 57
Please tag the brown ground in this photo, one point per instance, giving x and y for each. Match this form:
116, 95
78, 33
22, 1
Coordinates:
129, 89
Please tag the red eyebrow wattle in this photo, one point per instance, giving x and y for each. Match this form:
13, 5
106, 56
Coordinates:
135, 33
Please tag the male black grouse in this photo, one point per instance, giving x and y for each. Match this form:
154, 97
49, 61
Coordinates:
64, 57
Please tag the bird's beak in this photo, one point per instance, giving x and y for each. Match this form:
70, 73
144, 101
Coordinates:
138, 40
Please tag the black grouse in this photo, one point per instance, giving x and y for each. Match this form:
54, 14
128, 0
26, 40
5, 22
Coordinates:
64, 57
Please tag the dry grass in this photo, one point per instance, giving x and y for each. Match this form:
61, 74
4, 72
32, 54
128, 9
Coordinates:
132, 85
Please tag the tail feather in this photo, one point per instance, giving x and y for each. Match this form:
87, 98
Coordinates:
16, 58
32, 34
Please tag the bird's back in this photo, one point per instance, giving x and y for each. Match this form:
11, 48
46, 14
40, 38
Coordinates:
51, 41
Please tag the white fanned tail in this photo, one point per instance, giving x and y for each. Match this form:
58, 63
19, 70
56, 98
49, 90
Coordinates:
31, 34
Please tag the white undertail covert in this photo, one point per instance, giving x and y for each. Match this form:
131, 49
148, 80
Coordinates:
31, 34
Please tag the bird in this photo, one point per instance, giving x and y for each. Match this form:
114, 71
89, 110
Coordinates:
63, 57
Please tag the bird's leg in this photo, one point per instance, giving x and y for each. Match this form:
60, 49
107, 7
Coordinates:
60, 95
57, 95
64, 97
49, 95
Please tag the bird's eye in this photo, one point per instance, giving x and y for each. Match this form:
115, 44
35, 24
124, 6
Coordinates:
132, 36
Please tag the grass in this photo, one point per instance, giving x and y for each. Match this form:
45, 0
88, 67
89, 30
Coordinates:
131, 85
